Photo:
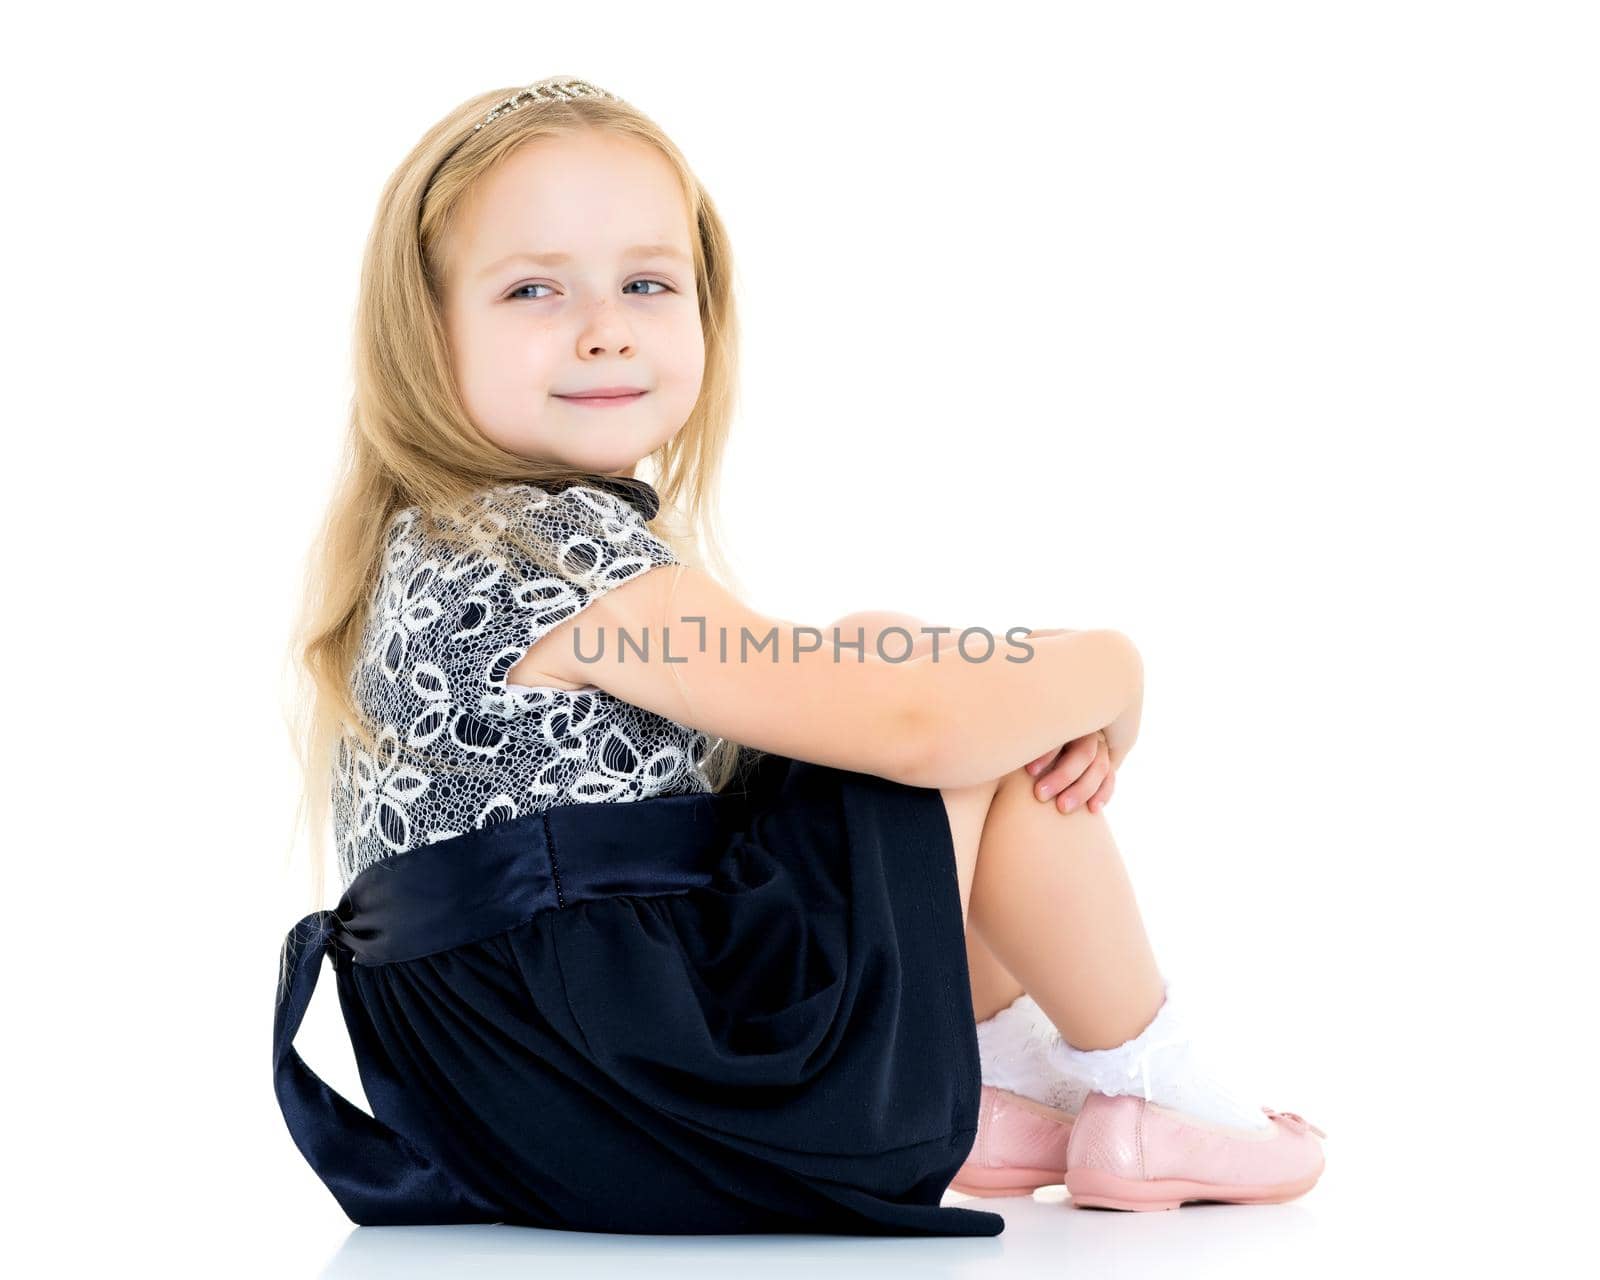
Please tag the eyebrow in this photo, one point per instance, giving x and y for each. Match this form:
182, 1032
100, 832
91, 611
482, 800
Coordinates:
558, 259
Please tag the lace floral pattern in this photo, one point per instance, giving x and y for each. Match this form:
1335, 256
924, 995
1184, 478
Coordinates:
446, 627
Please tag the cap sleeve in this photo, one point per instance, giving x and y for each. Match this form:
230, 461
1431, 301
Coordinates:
489, 603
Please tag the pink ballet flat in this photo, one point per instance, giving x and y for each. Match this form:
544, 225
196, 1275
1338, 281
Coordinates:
1127, 1153
1021, 1146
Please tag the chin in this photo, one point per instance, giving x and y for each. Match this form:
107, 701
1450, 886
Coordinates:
615, 456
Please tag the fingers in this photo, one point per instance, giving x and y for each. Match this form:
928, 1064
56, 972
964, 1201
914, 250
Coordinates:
1068, 767
1033, 766
1093, 779
1087, 785
1098, 800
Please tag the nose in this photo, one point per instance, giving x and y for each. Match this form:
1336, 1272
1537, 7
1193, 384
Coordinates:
607, 330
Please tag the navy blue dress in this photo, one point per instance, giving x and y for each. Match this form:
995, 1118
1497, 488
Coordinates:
690, 1012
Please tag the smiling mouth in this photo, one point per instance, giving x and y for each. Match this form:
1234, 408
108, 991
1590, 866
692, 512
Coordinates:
603, 400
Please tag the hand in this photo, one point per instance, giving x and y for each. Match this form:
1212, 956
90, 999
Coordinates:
1080, 773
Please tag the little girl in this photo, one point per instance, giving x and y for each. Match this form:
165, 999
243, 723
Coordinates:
659, 914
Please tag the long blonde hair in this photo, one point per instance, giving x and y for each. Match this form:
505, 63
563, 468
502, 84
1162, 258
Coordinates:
410, 442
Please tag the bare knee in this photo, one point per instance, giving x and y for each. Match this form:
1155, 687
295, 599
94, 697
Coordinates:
967, 809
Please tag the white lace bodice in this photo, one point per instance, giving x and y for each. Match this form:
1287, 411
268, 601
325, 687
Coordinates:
445, 628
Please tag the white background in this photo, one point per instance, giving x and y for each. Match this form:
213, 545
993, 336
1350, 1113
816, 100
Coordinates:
1265, 333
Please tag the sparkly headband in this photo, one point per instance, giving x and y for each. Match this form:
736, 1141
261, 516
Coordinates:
550, 89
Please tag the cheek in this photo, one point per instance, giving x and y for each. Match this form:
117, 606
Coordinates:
511, 357
688, 357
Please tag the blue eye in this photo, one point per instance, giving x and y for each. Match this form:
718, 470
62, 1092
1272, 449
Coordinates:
517, 292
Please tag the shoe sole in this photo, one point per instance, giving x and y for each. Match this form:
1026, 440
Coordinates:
1096, 1189
1010, 1181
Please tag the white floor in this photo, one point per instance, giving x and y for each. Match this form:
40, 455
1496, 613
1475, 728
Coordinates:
1043, 1236
1353, 1223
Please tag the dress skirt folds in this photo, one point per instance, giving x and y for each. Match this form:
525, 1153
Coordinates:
713, 1012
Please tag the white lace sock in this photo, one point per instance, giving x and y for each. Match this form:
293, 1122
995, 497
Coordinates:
1021, 1050
1014, 1052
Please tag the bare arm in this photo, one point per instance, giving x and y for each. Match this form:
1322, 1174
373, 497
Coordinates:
925, 723
980, 720
808, 706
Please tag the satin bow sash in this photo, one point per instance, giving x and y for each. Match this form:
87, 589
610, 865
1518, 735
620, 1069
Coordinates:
379, 1177
433, 898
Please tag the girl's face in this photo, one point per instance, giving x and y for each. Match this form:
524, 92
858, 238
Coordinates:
597, 312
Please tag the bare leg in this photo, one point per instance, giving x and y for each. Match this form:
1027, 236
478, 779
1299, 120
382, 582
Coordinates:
1050, 901
993, 985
